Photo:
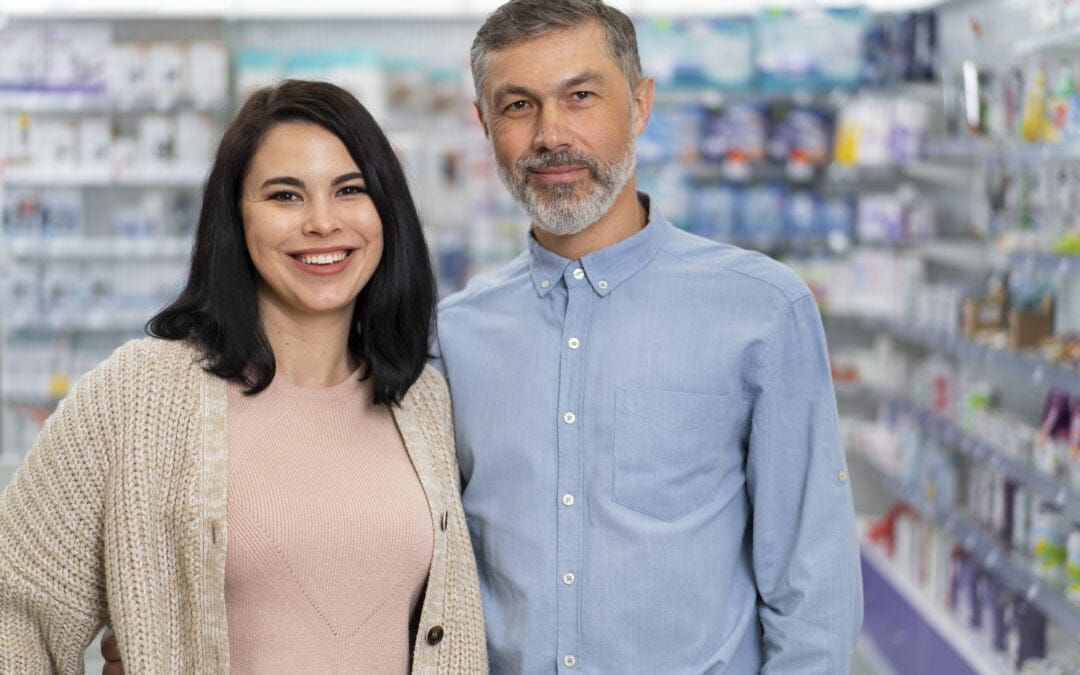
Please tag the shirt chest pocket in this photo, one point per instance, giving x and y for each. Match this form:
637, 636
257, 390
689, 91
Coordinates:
667, 447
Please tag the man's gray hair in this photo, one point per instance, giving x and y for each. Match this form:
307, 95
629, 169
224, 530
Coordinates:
522, 20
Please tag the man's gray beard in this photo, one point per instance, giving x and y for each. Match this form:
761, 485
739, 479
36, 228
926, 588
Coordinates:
562, 213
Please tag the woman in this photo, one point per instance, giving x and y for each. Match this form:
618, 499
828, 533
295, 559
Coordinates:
276, 463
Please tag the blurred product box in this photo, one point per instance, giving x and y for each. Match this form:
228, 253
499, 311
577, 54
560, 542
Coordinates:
979, 314
1027, 328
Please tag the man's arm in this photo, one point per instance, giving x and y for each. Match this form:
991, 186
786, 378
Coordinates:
805, 545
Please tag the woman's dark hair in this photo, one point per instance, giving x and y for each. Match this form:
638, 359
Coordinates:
217, 310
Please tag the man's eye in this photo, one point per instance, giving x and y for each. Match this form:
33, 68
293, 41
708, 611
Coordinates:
518, 105
581, 95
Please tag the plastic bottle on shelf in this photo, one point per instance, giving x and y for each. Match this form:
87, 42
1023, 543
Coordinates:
1072, 564
1033, 121
1050, 452
1049, 535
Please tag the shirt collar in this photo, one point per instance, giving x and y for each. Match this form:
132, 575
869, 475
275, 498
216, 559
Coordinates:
607, 268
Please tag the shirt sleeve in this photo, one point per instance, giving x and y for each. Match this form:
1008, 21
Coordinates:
52, 598
805, 547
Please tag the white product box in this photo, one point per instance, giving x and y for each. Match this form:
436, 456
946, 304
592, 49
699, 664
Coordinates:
208, 73
63, 212
20, 294
76, 57
128, 73
168, 72
157, 139
95, 140
22, 58
54, 142
197, 135
64, 292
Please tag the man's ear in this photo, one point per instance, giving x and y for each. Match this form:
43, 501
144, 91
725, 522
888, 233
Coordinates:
480, 116
643, 103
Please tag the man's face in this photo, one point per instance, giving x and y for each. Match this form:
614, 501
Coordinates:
562, 122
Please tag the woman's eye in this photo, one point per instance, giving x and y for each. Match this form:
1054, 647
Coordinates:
353, 190
284, 196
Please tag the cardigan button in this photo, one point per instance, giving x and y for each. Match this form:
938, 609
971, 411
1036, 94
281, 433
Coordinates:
435, 635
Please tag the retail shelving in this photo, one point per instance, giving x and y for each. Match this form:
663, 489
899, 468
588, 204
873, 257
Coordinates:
1037, 371
1014, 573
895, 603
119, 175
1062, 40
1053, 489
99, 248
973, 147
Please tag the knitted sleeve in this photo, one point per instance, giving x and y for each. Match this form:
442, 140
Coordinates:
52, 596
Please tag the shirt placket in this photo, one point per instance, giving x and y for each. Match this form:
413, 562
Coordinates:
569, 496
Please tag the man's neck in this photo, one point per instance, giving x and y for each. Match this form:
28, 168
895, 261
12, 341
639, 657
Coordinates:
626, 217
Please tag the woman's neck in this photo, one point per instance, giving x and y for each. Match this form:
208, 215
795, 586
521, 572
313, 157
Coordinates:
309, 351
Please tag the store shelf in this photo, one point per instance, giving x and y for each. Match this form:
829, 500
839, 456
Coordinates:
1062, 40
153, 175
1058, 263
99, 248
92, 322
964, 254
97, 102
1014, 574
970, 148
1036, 371
955, 637
978, 450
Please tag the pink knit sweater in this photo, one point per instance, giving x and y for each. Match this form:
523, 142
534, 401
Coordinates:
330, 539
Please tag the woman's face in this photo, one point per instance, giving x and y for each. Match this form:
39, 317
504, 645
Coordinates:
311, 229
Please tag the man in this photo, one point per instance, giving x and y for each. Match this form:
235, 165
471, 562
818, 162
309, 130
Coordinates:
646, 424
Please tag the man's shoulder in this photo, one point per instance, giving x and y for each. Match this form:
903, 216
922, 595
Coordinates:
487, 287
763, 273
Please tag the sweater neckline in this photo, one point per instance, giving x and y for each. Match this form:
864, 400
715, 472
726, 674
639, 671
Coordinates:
334, 392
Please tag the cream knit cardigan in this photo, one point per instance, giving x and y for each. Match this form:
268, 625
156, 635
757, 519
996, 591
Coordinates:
117, 515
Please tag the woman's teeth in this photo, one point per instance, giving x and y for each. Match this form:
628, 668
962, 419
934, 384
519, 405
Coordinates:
322, 258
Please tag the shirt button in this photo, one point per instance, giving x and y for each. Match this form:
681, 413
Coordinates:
569, 660
569, 418
435, 635
545, 283
568, 499
574, 343
601, 285
841, 475
568, 578
579, 274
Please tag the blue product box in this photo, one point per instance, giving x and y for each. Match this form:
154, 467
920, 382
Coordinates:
712, 211
760, 222
801, 221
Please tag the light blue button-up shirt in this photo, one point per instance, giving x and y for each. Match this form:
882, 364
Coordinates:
652, 469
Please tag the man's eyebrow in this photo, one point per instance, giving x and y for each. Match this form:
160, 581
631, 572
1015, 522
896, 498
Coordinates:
569, 83
583, 78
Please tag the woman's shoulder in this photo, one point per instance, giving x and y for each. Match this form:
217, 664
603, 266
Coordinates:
430, 385
145, 360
